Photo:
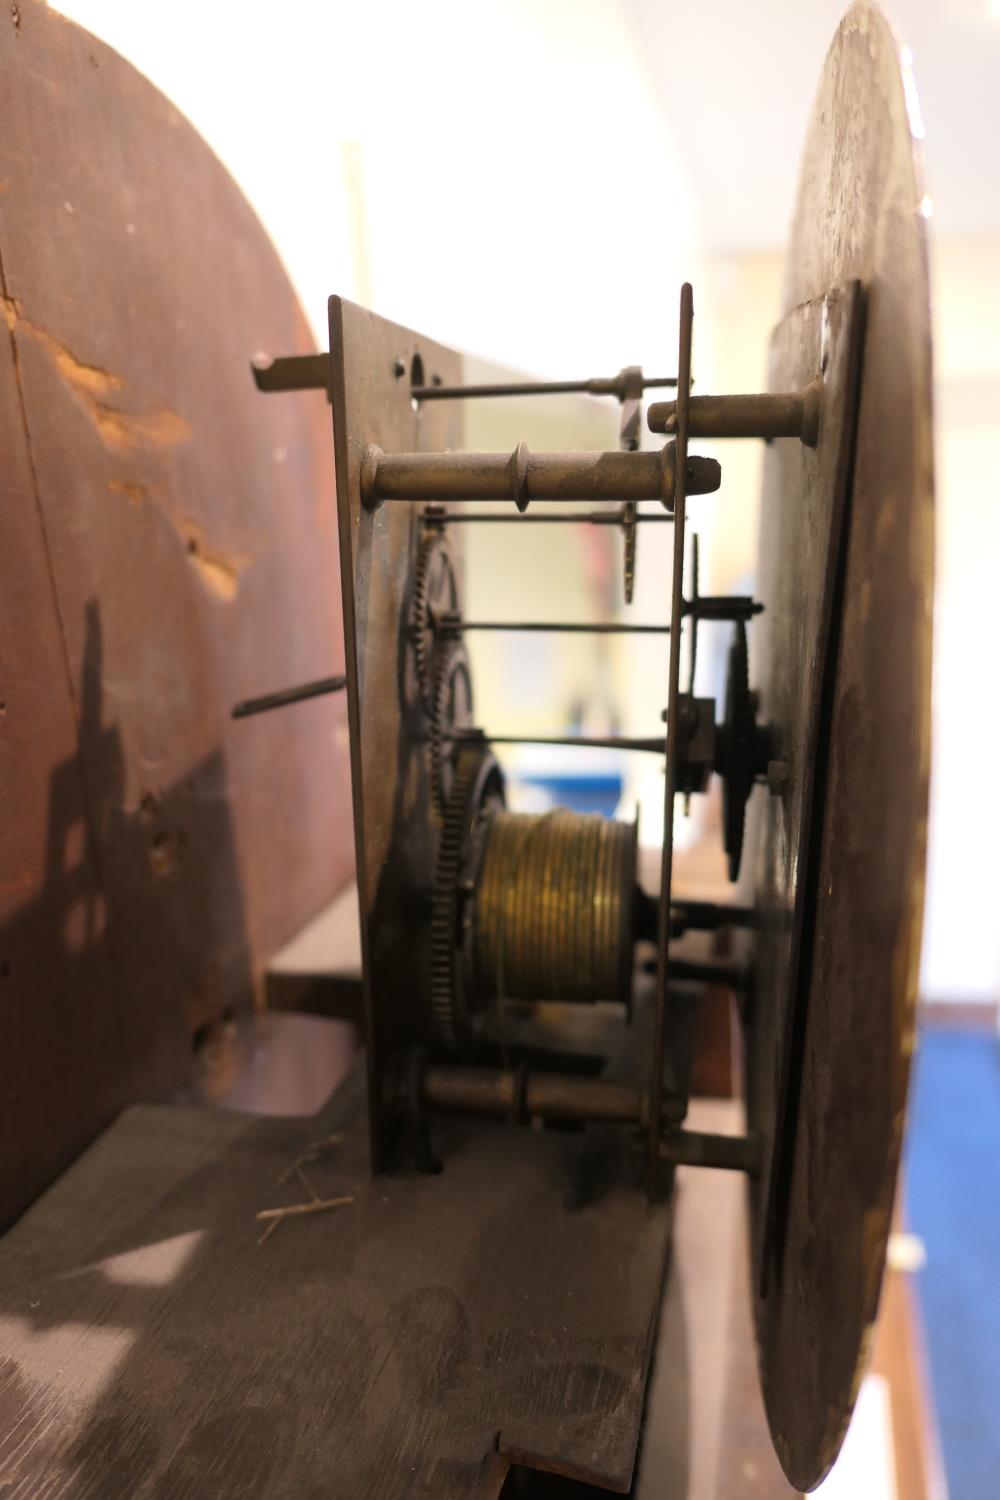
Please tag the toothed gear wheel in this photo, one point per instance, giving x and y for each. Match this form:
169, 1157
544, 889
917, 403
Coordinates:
435, 592
476, 791
451, 709
629, 527
740, 729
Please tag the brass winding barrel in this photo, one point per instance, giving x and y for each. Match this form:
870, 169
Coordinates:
553, 908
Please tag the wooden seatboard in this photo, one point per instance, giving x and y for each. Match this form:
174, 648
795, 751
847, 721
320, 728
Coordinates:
413, 1343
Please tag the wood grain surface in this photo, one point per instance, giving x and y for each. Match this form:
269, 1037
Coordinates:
860, 215
168, 545
415, 1342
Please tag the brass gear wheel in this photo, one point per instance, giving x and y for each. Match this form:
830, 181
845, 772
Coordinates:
435, 592
476, 790
450, 710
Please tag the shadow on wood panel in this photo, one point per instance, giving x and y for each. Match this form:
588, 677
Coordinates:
80, 1041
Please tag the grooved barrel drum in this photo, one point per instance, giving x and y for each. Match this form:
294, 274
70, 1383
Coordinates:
553, 908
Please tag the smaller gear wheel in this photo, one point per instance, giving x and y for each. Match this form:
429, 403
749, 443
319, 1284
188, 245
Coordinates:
629, 525
450, 710
435, 593
738, 761
475, 791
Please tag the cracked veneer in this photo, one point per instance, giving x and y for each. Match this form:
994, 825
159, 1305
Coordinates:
159, 427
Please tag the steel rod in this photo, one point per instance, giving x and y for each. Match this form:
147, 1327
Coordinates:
699, 1148
563, 627
285, 696
540, 518
653, 746
723, 607
615, 386
709, 916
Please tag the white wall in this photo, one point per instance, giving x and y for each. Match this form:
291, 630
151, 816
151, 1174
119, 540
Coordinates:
495, 174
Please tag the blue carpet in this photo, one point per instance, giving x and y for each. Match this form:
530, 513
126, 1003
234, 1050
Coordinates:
953, 1204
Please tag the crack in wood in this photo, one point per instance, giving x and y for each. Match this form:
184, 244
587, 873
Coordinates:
157, 428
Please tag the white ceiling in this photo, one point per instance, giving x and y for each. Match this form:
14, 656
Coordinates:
736, 80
